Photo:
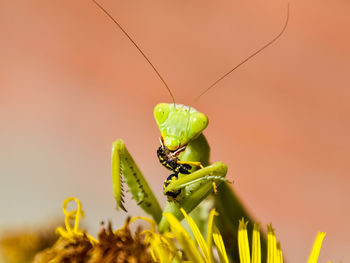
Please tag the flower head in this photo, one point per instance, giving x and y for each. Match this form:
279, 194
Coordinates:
75, 245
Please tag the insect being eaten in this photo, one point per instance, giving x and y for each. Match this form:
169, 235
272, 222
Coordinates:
183, 150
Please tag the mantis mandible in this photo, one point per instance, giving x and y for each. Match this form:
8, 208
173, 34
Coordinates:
185, 151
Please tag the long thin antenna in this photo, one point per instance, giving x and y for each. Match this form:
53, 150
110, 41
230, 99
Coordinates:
248, 58
139, 49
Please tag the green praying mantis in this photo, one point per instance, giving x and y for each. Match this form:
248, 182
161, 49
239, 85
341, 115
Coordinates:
184, 151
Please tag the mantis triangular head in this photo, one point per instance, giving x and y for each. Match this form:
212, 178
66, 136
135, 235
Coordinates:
179, 124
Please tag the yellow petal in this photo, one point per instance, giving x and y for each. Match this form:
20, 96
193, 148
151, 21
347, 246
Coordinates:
243, 244
199, 238
220, 245
184, 239
162, 249
256, 246
279, 256
210, 232
271, 245
75, 214
316, 248
150, 221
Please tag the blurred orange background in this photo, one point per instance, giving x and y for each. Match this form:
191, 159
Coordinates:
71, 83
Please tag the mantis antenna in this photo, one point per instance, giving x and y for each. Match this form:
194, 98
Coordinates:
248, 58
138, 48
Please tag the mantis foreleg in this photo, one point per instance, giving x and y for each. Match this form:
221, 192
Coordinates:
214, 172
197, 185
123, 165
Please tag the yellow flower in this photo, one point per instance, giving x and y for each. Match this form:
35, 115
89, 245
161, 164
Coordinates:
205, 254
75, 245
71, 233
274, 252
163, 247
205, 251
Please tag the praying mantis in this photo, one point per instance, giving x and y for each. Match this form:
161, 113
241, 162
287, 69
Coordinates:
184, 151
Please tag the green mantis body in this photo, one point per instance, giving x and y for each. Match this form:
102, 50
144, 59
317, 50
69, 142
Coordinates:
181, 128
184, 150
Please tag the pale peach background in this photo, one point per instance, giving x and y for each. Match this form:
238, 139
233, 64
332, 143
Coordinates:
71, 83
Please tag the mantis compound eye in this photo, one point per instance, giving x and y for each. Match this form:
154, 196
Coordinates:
198, 123
161, 112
